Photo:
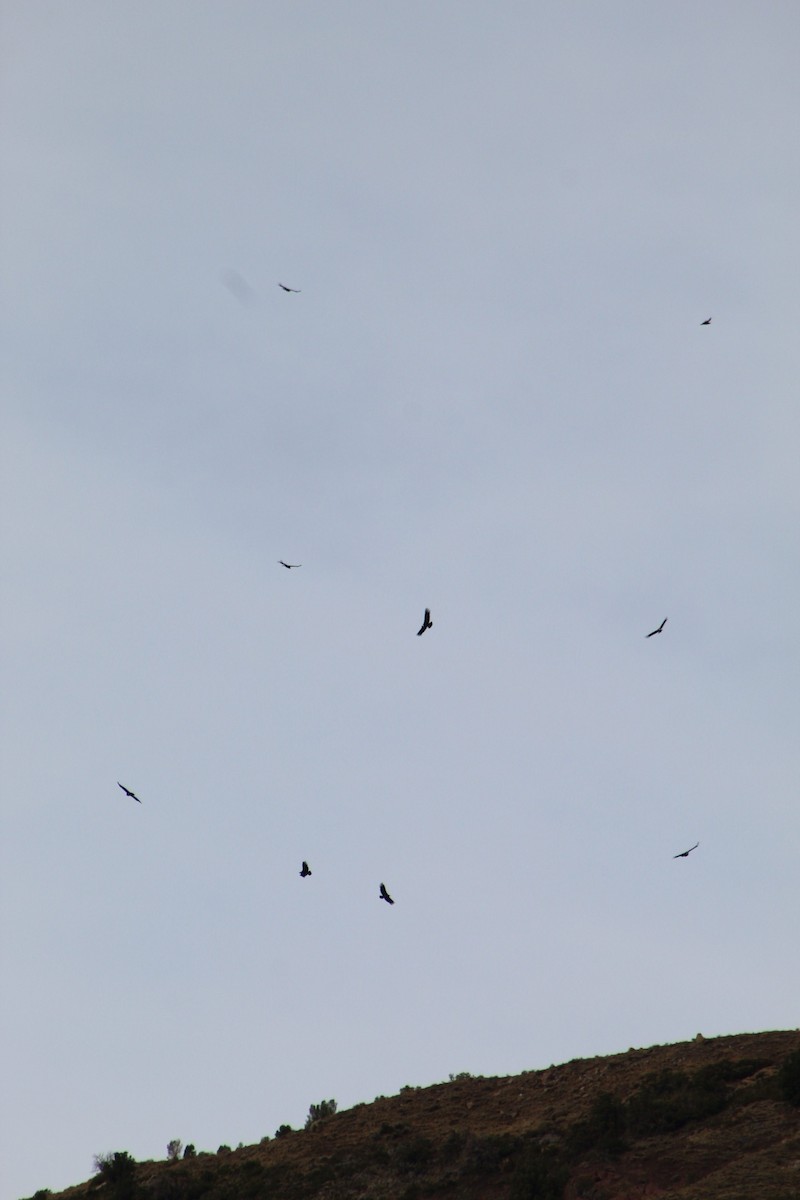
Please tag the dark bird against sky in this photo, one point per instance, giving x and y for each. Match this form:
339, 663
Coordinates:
655, 631
306, 870
708, 322
385, 895
127, 792
288, 289
686, 853
427, 623
289, 566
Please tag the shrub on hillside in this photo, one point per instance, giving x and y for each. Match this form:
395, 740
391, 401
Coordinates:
189, 1151
603, 1129
174, 1149
325, 1108
789, 1079
540, 1175
672, 1099
283, 1131
119, 1171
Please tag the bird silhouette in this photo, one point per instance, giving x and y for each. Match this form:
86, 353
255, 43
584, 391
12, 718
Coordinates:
385, 895
305, 871
427, 623
686, 853
289, 566
708, 322
128, 792
288, 289
655, 631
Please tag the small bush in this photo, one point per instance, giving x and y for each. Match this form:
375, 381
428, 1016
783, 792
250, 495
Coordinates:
603, 1129
189, 1151
487, 1154
671, 1099
461, 1075
453, 1145
283, 1131
223, 1149
789, 1079
415, 1153
119, 1171
539, 1176
174, 1149
317, 1112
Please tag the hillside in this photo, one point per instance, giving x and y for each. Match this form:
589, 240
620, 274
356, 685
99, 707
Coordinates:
701, 1120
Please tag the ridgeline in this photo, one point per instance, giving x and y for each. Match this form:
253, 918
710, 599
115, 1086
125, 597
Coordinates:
710, 1119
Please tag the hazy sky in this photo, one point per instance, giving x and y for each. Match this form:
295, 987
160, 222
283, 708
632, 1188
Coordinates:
492, 396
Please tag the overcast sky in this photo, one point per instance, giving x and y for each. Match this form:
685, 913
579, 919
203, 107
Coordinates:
492, 396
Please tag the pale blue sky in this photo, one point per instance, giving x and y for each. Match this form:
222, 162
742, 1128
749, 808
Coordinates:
492, 396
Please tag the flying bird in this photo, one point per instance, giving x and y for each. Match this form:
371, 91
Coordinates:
127, 792
427, 623
288, 289
708, 322
289, 566
686, 853
385, 895
305, 871
655, 631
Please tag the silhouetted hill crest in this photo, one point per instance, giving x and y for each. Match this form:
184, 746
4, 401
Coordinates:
699, 1120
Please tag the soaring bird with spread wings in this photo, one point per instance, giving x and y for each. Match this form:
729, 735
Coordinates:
708, 322
289, 566
384, 895
305, 871
288, 289
655, 631
427, 623
128, 792
686, 853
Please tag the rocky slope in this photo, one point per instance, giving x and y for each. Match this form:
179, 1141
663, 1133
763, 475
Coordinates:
701, 1120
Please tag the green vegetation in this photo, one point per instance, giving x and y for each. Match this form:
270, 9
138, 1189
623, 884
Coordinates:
318, 1112
665, 1101
118, 1170
540, 1175
789, 1079
434, 1145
